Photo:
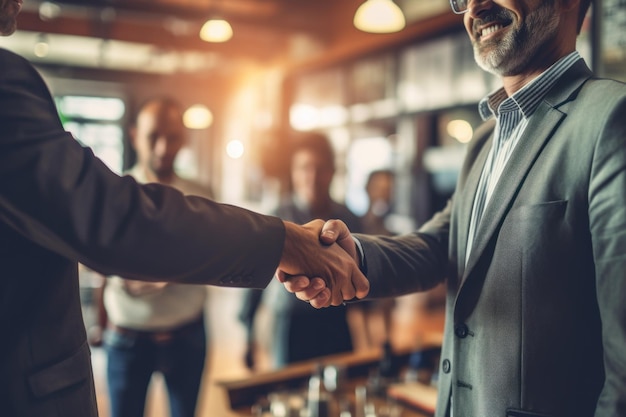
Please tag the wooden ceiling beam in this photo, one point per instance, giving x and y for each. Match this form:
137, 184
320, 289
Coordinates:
354, 44
246, 44
277, 15
257, 41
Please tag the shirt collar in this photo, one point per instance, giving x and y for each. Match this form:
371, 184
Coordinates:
527, 99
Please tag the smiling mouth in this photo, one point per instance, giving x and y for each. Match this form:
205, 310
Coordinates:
491, 29
492, 22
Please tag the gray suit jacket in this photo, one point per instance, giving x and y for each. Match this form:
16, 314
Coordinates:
536, 322
60, 205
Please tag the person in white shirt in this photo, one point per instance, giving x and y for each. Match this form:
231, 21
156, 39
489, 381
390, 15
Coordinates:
155, 326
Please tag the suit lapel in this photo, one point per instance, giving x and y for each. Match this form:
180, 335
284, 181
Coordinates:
478, 156
547, 118
520, 162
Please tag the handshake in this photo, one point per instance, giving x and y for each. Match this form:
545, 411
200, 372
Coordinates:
320, 263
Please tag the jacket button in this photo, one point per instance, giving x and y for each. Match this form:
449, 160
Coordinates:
461, 330
446, 366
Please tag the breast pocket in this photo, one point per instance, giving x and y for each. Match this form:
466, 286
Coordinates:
538, 223
542, 235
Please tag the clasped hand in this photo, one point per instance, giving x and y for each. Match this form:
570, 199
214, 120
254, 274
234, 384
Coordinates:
320, 263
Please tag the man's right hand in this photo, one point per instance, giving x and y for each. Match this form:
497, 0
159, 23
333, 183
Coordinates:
322, 274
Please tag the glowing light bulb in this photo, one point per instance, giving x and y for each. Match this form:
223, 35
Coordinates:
216, 30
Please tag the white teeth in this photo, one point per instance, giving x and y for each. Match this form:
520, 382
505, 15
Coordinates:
490, 29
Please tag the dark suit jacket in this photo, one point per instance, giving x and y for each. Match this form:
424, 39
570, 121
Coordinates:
536, 322
60, 205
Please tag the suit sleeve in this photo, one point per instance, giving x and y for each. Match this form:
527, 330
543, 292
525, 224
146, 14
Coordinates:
58, 195
607, 217
404, 264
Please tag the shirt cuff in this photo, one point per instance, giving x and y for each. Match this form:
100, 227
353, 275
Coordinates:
362, 262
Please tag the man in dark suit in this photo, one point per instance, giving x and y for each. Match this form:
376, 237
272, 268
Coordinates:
532, 245
60, 205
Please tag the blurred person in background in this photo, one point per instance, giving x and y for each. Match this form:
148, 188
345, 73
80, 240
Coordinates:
154, 326
379, 189
60, 206
300, 332
373, 318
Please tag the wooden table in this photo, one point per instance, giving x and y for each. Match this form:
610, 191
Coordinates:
243, 394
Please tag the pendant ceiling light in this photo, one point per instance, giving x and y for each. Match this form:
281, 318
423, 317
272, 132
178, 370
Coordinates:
379, 16
198, 116
216, 30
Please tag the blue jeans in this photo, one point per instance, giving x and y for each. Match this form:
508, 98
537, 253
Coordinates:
132, 359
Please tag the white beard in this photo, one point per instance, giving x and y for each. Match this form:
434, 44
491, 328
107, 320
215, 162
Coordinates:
510, 54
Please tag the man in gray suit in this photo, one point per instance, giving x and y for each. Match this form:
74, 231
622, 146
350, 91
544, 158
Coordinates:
532, 246
60, 205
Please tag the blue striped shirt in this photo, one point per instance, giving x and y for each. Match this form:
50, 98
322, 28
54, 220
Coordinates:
512, 117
